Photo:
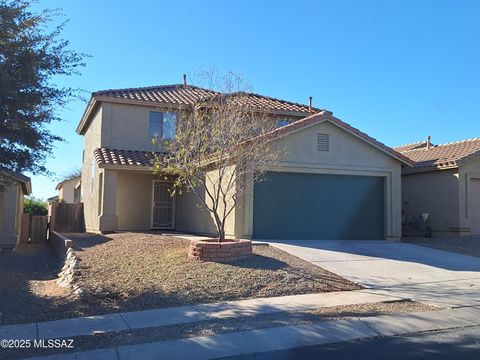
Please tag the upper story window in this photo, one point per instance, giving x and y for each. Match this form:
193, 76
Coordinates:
163, 125
282, 122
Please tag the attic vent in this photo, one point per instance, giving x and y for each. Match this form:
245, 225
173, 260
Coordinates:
323, 142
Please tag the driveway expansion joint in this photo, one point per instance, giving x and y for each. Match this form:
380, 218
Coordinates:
125, 321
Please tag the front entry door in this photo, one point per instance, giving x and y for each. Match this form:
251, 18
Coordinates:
163, 206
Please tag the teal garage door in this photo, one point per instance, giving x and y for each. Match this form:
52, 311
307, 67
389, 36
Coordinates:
317, 206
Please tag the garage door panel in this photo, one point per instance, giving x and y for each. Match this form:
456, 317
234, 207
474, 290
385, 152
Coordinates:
313, 206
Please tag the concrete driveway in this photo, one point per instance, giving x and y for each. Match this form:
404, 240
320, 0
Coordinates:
406, 270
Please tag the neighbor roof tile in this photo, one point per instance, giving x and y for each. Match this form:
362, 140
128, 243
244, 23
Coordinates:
445, 155
406, 147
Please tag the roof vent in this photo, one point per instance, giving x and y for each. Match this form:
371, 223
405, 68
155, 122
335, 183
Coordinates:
310, 104
185, 79
323, 142
429, 144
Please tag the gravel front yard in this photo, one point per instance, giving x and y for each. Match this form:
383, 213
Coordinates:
461, 245
136, 271
132, 271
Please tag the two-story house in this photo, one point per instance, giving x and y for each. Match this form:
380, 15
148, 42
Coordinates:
334, 183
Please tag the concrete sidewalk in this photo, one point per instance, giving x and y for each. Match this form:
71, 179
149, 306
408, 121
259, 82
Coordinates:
185, 314
283, 338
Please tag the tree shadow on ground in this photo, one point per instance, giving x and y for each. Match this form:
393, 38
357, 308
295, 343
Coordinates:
87, 240
259, 262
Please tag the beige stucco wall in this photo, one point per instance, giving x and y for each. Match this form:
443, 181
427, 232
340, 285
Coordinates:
126, 127
11, 209
347, 155
67, 190
468, 172
90, 174
435, 193
193, 216
134, 200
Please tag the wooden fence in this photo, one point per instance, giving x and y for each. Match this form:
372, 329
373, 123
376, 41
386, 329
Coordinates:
34, 229
66, 217
62, 217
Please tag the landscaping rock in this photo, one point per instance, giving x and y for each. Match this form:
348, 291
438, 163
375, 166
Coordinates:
78, 291
70, 269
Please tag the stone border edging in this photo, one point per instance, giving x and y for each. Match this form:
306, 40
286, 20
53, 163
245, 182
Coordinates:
62, 246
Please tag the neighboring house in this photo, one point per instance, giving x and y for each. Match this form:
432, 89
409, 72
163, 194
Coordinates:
11, 206
335, 183
445, 184
69, 190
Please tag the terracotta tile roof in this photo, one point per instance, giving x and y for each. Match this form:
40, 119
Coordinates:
188, 95
445, 155
172, 94
105, 156
406, 147
269, 103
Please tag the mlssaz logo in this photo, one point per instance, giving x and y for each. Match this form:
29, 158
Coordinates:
54, 343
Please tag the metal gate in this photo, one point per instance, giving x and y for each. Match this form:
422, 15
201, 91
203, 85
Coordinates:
163, 206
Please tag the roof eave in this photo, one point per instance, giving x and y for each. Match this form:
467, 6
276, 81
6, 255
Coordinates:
325, 115
471, 157
24, 181
96, 100
395, 154
27, 187
429, 169
85, 120
142, 168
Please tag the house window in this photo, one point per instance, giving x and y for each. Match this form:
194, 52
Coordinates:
163, 125
282, 122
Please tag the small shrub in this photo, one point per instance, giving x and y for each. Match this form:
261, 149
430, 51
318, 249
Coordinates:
34, 206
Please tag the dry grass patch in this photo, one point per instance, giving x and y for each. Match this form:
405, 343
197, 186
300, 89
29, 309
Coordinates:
136, 271
131, 271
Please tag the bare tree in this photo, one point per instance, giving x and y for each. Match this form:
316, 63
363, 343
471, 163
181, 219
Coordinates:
220, 142
71, 173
